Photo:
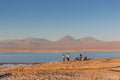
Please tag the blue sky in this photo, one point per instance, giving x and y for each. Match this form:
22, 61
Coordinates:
53, 19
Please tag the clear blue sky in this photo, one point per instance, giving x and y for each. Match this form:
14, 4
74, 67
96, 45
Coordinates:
53, 19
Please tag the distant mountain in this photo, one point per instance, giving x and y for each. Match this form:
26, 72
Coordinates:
65, 43
67, 39
89, 39
24, 43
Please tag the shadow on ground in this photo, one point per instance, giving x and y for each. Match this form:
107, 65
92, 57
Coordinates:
5, 75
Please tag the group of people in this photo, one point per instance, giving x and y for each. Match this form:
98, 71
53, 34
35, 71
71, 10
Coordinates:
80, 58
67, 57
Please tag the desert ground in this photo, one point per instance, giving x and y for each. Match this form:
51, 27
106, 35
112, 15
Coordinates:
92, 69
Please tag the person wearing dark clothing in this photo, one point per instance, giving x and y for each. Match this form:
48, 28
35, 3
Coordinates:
68, 56
63, 57
80, 56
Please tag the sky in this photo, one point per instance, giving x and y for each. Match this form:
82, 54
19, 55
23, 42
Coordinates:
53, 19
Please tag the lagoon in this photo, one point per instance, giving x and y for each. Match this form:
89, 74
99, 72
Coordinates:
49, 57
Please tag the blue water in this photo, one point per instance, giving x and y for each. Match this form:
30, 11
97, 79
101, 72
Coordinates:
49, 57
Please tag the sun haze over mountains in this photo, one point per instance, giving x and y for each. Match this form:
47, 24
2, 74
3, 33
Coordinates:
65, 43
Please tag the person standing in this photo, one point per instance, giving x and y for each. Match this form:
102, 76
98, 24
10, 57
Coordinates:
80, 57
63, 57
68, 57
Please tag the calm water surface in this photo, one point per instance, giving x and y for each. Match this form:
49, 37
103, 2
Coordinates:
49, 57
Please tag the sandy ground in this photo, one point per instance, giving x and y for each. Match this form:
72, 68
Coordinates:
93, 69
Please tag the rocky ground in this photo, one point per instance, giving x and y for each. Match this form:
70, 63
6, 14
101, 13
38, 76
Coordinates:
93, 69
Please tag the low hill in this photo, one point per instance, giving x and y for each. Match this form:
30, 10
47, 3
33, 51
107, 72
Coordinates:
65, 43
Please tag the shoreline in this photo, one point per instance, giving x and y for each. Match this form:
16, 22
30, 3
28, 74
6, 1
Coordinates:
2, 63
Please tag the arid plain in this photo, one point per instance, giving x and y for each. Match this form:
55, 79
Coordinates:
92, 69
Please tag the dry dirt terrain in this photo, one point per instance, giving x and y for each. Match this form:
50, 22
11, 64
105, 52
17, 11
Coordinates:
93, 69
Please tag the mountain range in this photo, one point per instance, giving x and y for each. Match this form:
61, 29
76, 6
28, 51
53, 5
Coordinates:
65, 43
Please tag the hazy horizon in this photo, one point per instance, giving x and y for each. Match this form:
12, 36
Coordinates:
54, 19
58, 38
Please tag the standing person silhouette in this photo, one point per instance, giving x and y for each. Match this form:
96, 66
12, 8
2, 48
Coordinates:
80, 57
63, 57
68, 57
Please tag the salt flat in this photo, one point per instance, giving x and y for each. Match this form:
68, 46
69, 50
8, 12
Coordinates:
92, 69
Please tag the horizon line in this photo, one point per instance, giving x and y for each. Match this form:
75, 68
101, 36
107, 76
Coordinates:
57, 39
